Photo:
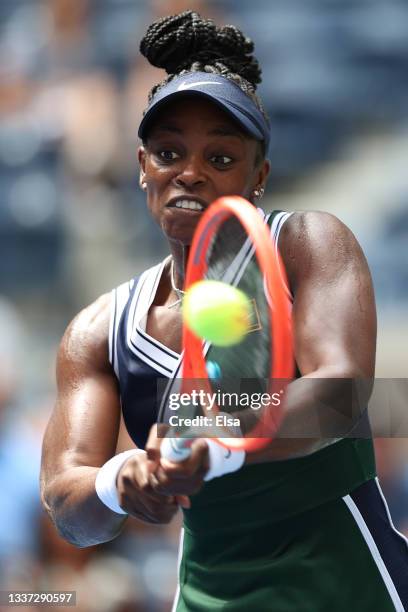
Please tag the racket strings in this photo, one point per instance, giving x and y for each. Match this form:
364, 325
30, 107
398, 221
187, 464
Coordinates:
243, 369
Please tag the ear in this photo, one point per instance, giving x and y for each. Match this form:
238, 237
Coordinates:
141, 155
263, 173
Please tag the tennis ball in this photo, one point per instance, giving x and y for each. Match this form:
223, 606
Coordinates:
217, 312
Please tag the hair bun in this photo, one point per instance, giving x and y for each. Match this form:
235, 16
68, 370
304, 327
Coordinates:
176, 42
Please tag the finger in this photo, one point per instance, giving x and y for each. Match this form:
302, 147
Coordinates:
152, 448
136, 480
199, 451
163, 490
155, 508
183, 501
164, 508
163, 484
158, 482
158, 516
196, 463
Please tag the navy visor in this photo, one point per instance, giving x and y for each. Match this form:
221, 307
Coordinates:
220, 90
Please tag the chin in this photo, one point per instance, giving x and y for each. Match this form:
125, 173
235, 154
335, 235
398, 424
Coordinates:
182, 233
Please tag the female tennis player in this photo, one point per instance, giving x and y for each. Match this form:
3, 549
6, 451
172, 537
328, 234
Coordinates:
297, 526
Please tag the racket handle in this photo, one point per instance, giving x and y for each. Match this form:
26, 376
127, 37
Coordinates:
175, 449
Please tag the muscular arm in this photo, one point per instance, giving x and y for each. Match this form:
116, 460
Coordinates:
334, 322
82, 435
82, 432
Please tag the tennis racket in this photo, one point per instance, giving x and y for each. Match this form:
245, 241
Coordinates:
233, 244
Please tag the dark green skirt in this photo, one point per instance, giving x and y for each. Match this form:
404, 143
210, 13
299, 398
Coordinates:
318, 561
304, 535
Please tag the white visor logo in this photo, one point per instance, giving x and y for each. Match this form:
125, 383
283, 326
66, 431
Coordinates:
185, 85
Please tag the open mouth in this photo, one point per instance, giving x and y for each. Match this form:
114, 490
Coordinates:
193, 205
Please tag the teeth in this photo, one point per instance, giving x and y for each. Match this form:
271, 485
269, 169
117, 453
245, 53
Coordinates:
191, 205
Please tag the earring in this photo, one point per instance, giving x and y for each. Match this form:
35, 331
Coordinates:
259, 192
143, 186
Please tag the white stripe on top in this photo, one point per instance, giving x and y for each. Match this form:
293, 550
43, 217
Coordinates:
179, 558
148, 349
374, 552
387, 510
276, 228
120, 297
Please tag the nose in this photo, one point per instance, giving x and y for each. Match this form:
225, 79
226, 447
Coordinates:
191, 174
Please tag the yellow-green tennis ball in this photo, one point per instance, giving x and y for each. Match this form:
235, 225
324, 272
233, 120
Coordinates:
217, 312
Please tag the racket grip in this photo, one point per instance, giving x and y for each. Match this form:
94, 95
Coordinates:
175, 449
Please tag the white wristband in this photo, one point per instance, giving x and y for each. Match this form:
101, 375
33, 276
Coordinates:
222, 460
105, 483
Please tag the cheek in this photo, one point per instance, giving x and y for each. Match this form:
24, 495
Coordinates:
157, 180
239, 184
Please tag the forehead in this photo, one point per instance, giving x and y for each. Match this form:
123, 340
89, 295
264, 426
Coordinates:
195, 113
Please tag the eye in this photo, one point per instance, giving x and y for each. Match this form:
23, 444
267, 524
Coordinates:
168, 155
221, 160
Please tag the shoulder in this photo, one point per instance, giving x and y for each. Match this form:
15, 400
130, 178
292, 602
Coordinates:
312, 225
85, 341
318, 242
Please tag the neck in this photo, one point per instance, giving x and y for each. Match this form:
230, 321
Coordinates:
176, 274
179, 254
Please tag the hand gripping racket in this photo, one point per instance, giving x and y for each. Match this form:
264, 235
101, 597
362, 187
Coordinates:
245, 383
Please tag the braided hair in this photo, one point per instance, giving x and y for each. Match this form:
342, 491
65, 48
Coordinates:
187, 43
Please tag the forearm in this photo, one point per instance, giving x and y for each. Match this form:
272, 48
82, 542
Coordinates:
73, 505
317, 409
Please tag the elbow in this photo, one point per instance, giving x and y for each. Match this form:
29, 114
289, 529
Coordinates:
54, 505
51, 506
359, 377
79, 526
52, 496
46, 497
345, 368
78, 537
350, 377
74, 532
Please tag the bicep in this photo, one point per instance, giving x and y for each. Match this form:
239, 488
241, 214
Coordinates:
334, 309
83, 428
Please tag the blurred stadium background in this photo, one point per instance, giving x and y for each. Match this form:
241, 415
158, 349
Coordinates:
73, 222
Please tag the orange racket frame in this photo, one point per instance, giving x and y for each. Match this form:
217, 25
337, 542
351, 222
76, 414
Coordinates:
271, 266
